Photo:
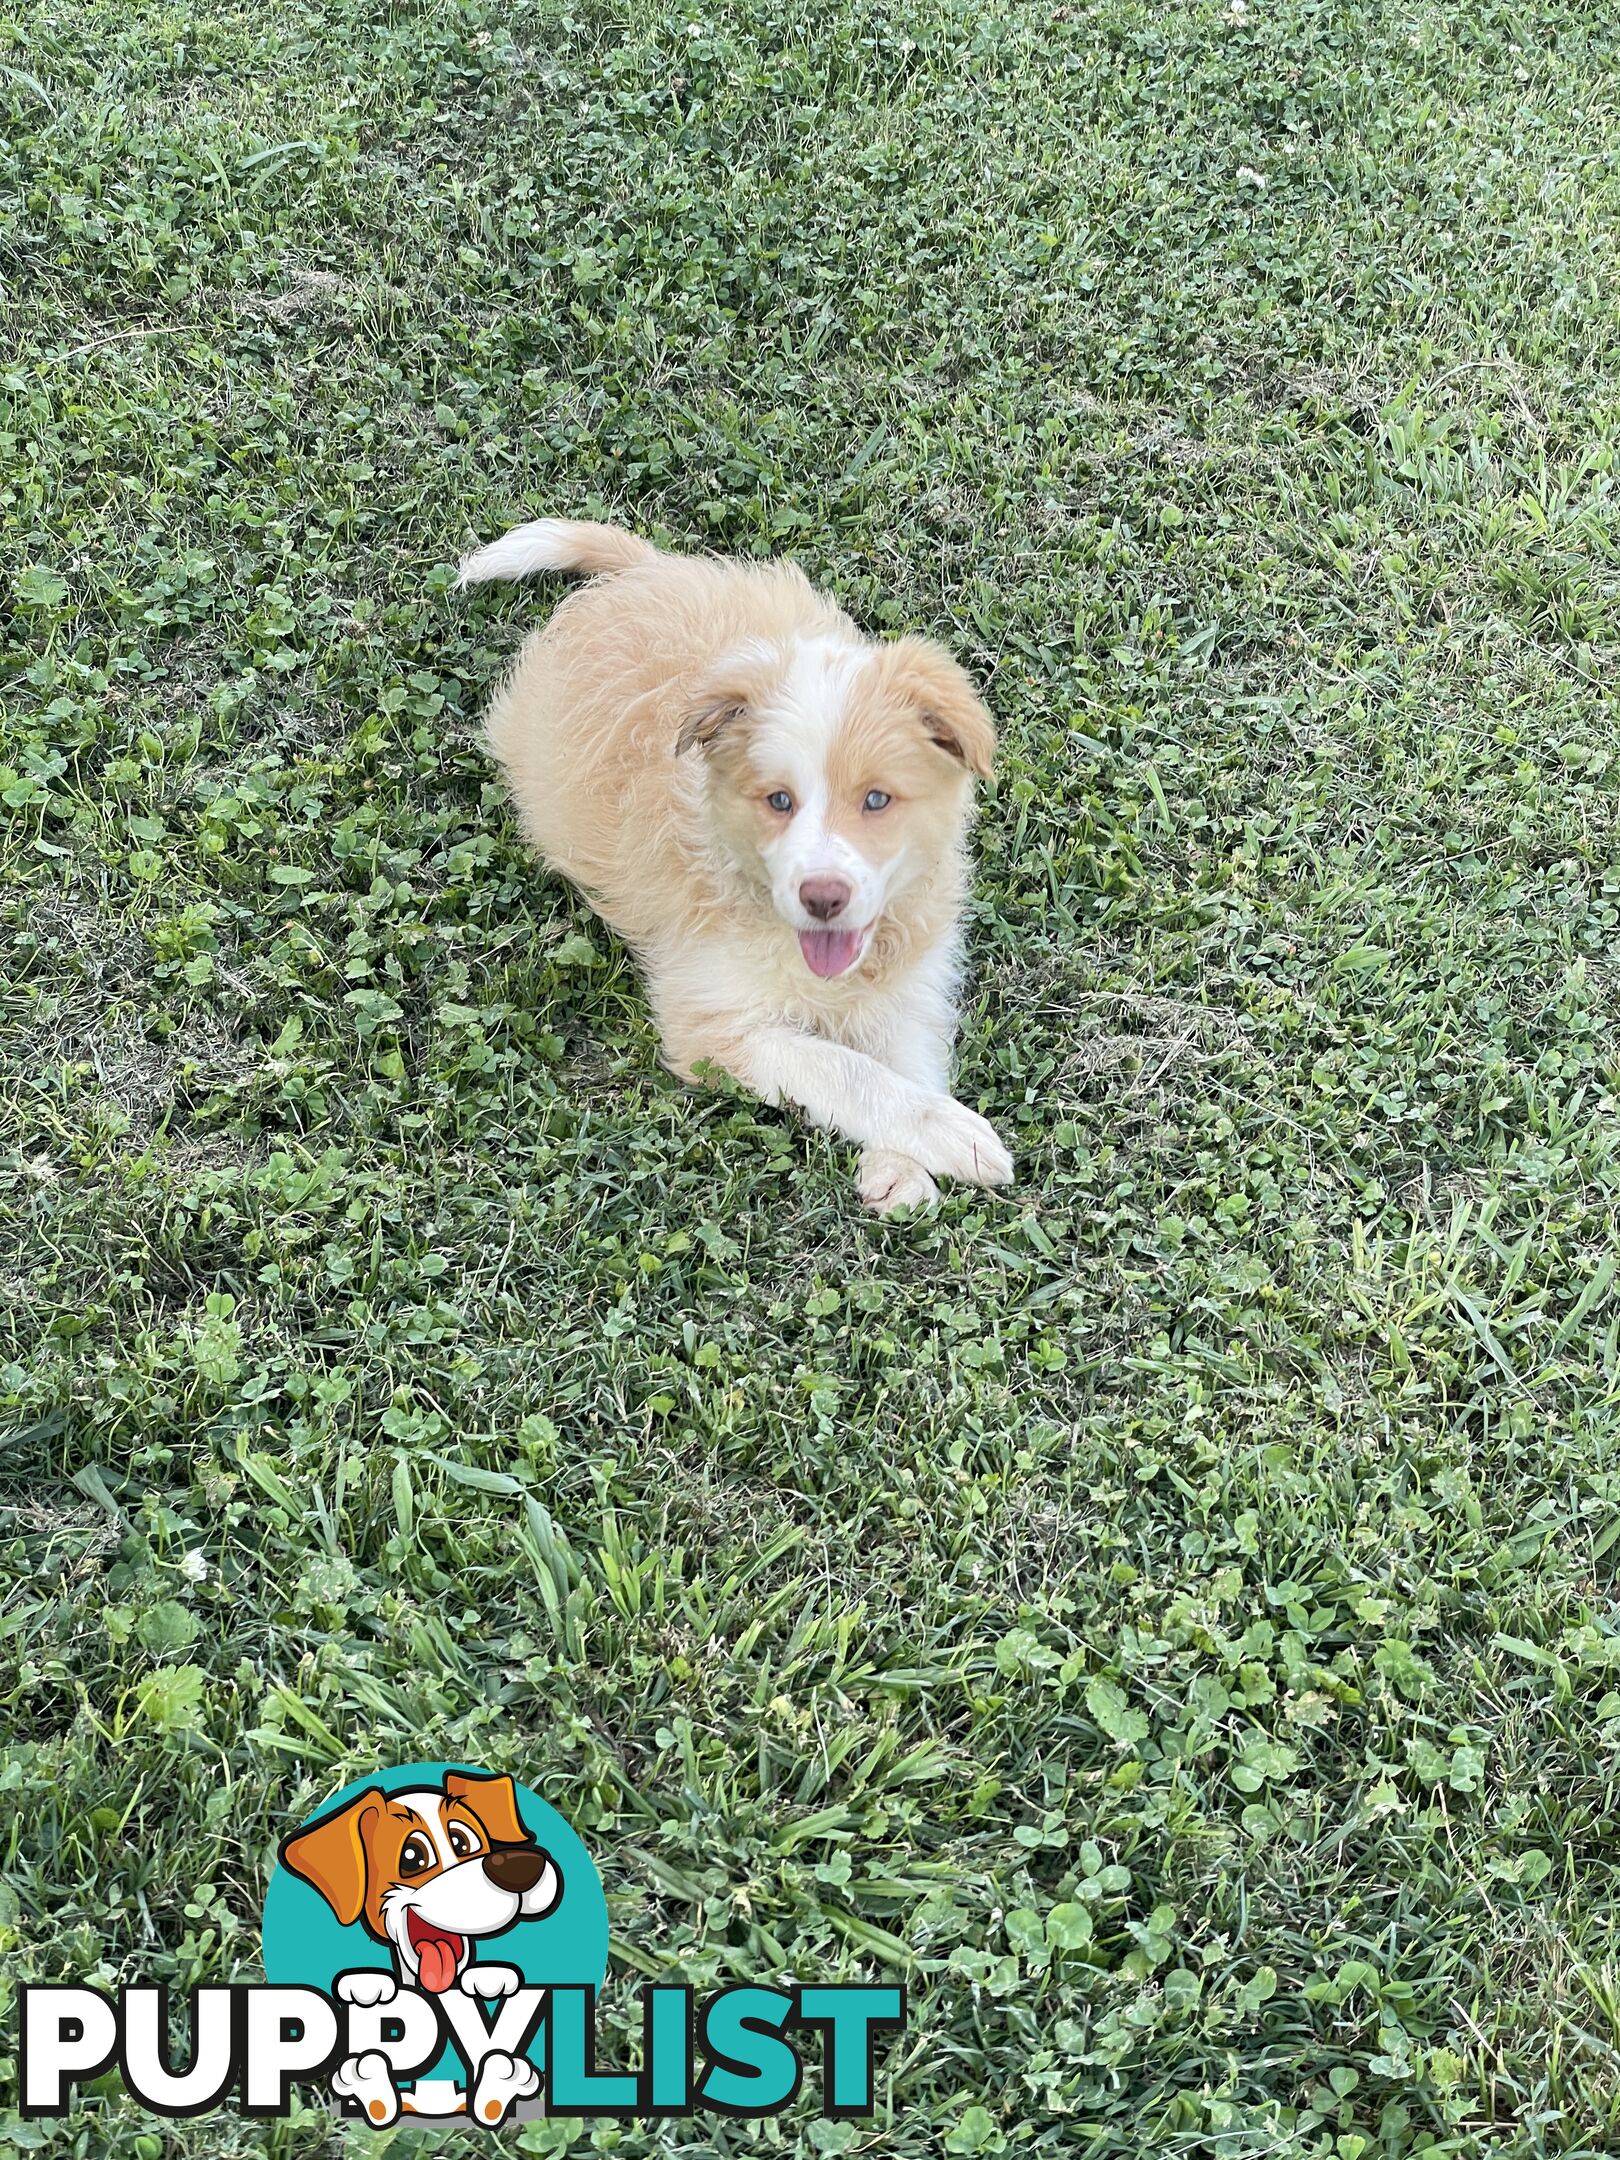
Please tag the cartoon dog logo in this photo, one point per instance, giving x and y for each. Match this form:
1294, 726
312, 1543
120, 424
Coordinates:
432, 1872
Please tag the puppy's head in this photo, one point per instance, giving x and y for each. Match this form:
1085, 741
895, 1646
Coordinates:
840, 775
428, 1871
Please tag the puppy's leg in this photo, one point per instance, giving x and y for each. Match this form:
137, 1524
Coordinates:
870, 1103
917, 1043
919, 1048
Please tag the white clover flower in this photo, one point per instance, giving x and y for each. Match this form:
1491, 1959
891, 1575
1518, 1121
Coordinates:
194, 1567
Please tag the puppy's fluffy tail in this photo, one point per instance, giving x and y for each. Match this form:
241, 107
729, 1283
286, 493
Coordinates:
556, 544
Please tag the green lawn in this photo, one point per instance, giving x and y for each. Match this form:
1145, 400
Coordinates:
1165, 1613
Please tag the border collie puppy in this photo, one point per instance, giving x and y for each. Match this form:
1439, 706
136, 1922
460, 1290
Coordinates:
773, 812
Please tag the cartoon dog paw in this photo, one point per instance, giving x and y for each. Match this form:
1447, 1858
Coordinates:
365, 2080
366, 1989
490, 1982
502, 2079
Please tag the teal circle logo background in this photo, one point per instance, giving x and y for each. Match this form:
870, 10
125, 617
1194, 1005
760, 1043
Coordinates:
304, 1945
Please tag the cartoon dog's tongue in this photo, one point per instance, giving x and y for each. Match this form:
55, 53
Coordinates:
829, 952
438, 1954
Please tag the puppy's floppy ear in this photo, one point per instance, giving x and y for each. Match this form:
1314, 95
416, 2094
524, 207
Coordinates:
706, 719
925, 675
724, 693
494, 1801
331, 1854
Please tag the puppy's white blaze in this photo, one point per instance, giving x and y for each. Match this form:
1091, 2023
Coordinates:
796, 741
820, 677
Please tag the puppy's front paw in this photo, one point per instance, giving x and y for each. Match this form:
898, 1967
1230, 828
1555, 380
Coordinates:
889, 1181
953, 1141
364, 2079
490, 1982
502, 2079
365, 1988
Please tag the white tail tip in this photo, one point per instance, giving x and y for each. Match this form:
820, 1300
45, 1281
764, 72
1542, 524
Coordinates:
555, 544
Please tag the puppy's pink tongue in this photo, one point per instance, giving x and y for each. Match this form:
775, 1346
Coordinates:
437, 1969
829, 952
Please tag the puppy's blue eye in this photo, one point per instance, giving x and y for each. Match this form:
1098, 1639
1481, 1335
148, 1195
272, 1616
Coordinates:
876, 800
781, 802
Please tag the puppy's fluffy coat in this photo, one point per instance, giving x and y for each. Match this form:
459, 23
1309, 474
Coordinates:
772, 811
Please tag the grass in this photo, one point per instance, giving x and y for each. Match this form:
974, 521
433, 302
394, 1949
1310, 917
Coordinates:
1167, 1614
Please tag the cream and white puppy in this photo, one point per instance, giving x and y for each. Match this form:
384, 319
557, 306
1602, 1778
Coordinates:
773, 811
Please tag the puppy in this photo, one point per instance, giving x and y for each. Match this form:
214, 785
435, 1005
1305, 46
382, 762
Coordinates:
773, 812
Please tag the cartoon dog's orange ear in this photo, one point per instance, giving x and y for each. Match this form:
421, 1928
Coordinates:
494, 1801
331, 1854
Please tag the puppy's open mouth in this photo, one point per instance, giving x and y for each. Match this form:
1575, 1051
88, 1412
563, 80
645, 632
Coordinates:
438, 1952
831, 952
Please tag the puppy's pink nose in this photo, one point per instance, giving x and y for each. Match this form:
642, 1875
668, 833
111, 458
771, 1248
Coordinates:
825, 897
